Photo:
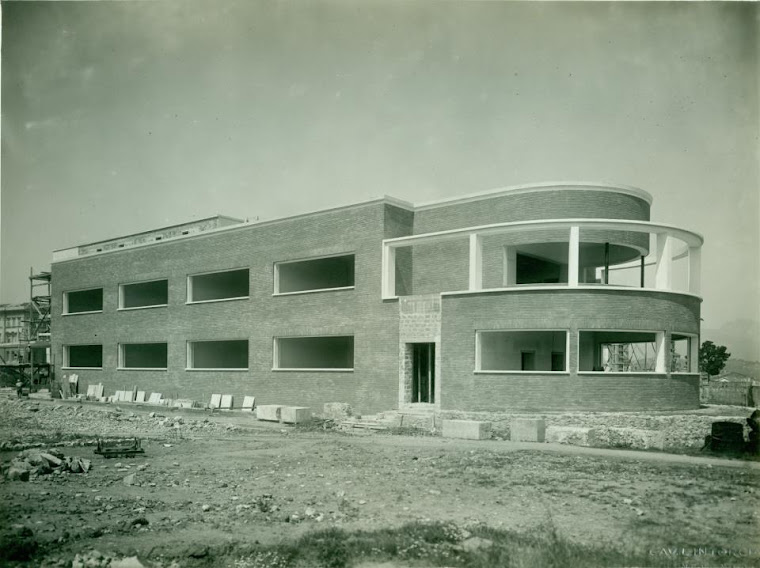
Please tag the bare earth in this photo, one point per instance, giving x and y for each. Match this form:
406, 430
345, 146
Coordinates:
204, 490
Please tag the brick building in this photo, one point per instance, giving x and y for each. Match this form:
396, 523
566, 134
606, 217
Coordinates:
543, 297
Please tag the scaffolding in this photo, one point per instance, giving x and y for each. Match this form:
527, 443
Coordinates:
629, 357
34, 366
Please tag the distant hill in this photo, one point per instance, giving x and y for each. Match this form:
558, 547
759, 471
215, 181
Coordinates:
749, 368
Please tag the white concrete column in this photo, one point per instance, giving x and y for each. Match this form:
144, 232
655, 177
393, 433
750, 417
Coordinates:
476, 262
388, 270
573, 256
663, 270
509, 275
663, 353
695, 270
694, 354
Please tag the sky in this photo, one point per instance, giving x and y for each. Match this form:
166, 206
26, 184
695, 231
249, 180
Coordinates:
120, 117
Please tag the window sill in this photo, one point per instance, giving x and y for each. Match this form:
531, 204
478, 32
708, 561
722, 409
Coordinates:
141, 308
314, 291
482, 372
81, 368
216, 370
311, 370
82, 313
618, 373
218, 300
142, 368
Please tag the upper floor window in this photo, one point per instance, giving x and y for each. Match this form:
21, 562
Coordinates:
326, 273
144, 294
83, 301
214, 286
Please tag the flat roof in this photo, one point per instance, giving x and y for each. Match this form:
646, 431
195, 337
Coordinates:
487, 194
148, 232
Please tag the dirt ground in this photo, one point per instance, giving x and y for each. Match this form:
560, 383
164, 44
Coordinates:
204, 491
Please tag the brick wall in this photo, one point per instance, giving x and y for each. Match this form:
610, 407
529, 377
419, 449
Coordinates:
463, 315
360, 312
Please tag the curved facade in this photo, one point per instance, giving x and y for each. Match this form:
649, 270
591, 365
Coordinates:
552, 297
547, 297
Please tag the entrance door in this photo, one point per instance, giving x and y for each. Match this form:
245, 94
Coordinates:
423, 372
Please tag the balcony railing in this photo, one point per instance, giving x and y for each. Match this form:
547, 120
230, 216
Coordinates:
661, 258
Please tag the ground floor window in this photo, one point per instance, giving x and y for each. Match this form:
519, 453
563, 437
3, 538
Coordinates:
539, 351
83, 356
620, 351
230, 354
324, 353
143, 356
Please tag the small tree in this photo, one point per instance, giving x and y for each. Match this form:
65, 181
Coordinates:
712, 358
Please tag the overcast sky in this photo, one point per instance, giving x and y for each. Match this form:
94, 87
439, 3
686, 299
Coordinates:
119, 117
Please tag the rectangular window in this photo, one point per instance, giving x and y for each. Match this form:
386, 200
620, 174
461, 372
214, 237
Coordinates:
83, 301
620, 351
230, 354
143, 356
83, 356
537, 351
321, 353
326, 273
227, 285
682, 357
144, 294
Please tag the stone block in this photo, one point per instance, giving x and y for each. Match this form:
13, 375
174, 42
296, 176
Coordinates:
573, 435
226, 402
183, 403
466, 429
155, 398
295, 414
216, 401
527, 430
140, 396
268, 412
15, 473
248, 403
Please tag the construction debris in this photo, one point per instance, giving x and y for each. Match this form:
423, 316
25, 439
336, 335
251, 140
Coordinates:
37, 462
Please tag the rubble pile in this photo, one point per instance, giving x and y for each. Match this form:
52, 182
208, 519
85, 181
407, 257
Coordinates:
25, 423
31, 463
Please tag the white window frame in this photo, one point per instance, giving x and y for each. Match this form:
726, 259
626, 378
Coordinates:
66, 365
190, 356
279, 263
121, 307
661, 363
276, 355
120, 365
479, 352
65, 311
190, 277
693, 353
